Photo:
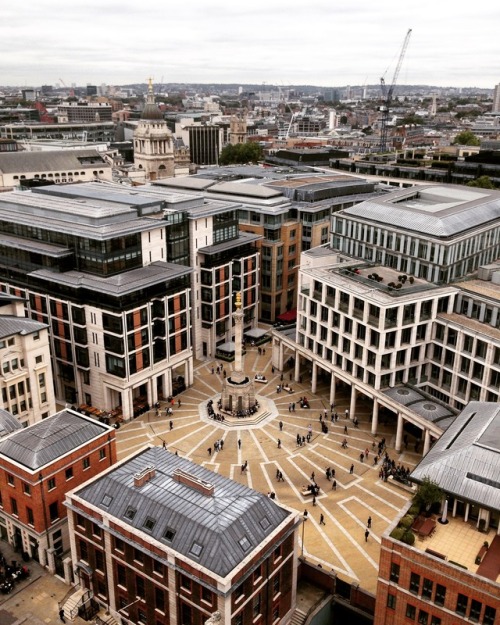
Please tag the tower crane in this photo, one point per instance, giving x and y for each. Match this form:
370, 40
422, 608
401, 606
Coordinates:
388, 93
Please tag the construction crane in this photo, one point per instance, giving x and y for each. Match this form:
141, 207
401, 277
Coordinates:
388, 93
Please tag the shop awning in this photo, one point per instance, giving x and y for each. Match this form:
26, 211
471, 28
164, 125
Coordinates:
289, 315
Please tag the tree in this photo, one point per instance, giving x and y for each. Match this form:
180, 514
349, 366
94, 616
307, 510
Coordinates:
466, 138
240, 153
484, 182
428, 493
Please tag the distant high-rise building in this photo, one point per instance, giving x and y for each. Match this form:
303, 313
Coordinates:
496, 100
91, 90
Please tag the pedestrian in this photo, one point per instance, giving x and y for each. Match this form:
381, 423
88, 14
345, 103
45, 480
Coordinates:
279, 443
346, 413
322, 520
171, 425
312, 476
221, 444
239, 443
212, 370
361, 457
179, 403
281, 426
209, 451
305, 514
290, 407
345, 429
61, 615
334, 485
290, 377
277, 474
293, 406
369, 522
281, 377
164, 444
367, 533
351, 470
272, 369
314, 500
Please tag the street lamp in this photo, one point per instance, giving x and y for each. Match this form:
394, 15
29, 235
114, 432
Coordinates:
304, 519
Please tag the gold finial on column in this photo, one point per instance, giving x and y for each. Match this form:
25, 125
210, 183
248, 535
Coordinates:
238, 299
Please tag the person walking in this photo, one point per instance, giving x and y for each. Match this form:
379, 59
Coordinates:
61, 615
369, 522
281, 426
279, 443
322, 520
351, 470
239, 443
367, 533
345, 429
171, 425
314, 500
209, 451
334, 485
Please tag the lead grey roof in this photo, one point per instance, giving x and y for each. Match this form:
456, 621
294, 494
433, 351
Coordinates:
465, 461
11, 324
436, 211
118, 284
234, 514
243, 239
45, 441
51, 160
8, 423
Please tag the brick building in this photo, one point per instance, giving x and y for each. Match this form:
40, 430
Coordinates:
449, 576
38, 464
159, 539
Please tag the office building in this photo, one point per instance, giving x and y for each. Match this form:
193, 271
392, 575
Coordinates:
83, 112
159, 539
38, 465
26, 382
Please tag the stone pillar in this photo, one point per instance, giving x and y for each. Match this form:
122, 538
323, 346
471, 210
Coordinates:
399, 433
127, 404
427, 442
466, 515
280, 356
297, 366
375, 417
154, 391
51, 561
168, 389
333, 382
68, 571
352, 408
149, 391
314, 377
454, 512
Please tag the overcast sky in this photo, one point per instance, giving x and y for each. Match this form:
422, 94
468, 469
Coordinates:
320, 42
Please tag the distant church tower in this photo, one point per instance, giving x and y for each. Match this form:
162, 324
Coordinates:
153, 142
238, 129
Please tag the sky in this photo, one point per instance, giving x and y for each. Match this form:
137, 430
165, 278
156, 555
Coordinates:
281, 42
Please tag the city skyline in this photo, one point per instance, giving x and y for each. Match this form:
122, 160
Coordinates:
283, 43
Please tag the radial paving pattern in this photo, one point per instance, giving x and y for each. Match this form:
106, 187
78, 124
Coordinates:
340, 543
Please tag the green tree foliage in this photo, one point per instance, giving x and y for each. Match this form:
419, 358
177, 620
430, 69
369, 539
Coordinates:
428, 493
466, 138
484, 182
410, 120
240, 153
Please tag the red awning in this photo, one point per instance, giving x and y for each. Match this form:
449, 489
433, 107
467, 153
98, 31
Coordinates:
289, 315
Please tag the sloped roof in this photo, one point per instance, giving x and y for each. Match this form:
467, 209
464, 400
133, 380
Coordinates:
438, 211
465, 461
8, 423
11, 324
52, 160
226, 526
47, 440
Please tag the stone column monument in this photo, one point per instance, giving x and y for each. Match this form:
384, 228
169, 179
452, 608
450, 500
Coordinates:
238, 392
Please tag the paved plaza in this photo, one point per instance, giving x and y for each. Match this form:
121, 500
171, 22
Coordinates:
339, 544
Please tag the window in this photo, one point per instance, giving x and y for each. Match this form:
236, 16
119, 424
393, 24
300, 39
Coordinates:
96, 530
185, 583
13, 506
99, 561
26, 488
489, 615
169, 534
257, 574
119, 545
102, 453
69, 473
29, 514
149, 524
159, 599
206, 595
410, 611
427, 589
423, 617
238, 592
10, 479
257, 602
138, 556
394, 576
158, 567
391, 601
139, 587
462, 601
83, 551
51, 484
86, 463
440, 595
475, 610
53, 511
196, 549
435, 620
414, 582
130, 513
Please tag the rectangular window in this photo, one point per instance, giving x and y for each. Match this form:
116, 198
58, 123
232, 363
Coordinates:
414, 582
423, 617
51, 484
138, 556
99, 561
395, 569
69, 473
462, 601
10, 479
206, 595
13, 506
435, 620
257, 603
139, 587
102, 453
29, 514
121, 575
53, 511
410, 611
475, 610
427, 589
159, 599
489, 615
158, 567
86, 463
185, 583
26, 488
391, 601
440, 595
